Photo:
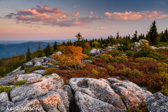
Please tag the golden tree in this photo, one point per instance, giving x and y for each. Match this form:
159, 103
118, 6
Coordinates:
71, 55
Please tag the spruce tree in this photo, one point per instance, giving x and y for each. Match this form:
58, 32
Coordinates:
79, 37
39, 51
28, 54
55, 46
118, 36
48, 50
152, 34
135, 37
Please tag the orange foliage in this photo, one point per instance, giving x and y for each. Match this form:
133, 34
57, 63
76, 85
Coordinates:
87, 45
71, 56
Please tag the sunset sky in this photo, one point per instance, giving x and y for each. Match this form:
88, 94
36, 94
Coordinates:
63, 19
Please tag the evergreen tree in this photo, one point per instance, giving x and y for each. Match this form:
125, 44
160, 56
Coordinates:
141, 36
48, 50
152, 34
164, 36
79, 37
135, 37
28, 54
63, 43
39, 51
118, 36
55, 46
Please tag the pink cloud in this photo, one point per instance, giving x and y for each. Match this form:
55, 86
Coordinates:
102, 28
133, 16
77, 14
47, 16
91, 12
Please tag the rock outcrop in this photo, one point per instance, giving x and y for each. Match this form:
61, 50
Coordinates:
131, 94
11, 77
49, 94
42, 61
157, 103
39, 94
111, 94
36, 89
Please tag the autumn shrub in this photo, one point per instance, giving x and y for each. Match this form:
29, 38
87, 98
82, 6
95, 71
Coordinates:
155, 55
164, 90
165, 61
79, 66
135, 73
145, 59
117, 59
130, 53
6, 89
163, 76
152, 54
162, 67
21, 82
126, 71
95, 72
35, 68
114, 53
107, 57
11, 63
110, 67
141, 108
50, 71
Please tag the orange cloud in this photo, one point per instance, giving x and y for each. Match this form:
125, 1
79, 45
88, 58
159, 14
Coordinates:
91, 12
133, 16
77, 14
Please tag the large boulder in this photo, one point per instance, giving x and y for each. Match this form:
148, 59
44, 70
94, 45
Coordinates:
131, 94
36, 89
28, 64
27, 76
38, 64
157, 103
55, 101
3, 97
11, 77
27, 106
87, 103
39, 71
59, 53
98, 90
94, 52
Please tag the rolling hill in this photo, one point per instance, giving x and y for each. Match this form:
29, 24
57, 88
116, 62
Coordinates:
8, 50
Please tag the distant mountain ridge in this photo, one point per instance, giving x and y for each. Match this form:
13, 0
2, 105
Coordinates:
8, 50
